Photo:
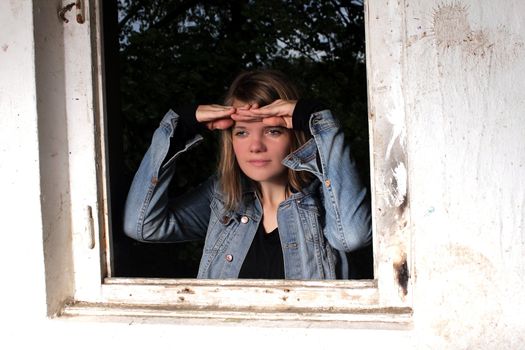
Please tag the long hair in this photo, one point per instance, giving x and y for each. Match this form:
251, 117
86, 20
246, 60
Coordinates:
261, 87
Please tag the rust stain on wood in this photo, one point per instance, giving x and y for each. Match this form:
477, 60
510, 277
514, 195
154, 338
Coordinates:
402, 274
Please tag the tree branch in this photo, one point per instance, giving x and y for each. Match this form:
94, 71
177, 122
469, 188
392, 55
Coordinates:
338, 7
132, 12
178, 10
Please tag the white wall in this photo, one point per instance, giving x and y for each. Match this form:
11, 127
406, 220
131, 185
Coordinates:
464, 92
462, 81
21, 253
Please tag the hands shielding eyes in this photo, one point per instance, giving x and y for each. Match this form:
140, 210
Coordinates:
277, 113
215, 116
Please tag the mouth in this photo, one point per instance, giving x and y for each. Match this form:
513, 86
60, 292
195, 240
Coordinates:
259, 162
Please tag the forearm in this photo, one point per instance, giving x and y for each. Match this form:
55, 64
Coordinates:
345, 197
146, 215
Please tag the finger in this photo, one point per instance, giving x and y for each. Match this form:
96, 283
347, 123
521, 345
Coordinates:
220, 124
245, 118
223, 124
207, 113
218, 108
270, 110
212, 108
278, 107
268, 113
275, 121
245, 112
223, 112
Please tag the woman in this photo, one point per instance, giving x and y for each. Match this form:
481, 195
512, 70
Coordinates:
286, 201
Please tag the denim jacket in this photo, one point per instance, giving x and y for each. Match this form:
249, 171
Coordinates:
316, 226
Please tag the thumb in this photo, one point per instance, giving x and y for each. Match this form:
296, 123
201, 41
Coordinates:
220, 124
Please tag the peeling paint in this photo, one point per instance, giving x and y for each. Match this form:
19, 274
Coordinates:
398, 185
396, 122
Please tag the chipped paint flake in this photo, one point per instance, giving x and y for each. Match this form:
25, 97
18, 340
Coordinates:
398, 188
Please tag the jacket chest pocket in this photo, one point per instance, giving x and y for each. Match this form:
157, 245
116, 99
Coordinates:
311, 222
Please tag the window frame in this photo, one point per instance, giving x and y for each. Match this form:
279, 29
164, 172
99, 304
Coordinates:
384, 301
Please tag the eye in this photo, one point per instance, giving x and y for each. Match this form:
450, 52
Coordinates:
274, 131
239, 133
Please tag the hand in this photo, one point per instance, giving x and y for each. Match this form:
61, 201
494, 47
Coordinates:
215, 116
277, 113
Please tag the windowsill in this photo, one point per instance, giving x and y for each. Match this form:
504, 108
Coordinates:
347, 304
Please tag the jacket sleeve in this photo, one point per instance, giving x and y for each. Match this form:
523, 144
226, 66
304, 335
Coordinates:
149, 215
327, 156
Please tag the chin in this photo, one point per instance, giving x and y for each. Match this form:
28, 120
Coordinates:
262, 177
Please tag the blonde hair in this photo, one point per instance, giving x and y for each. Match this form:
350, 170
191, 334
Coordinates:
261, 87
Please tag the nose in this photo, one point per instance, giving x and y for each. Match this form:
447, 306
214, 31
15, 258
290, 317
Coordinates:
257, 145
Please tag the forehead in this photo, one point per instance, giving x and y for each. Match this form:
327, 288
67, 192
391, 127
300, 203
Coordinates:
253, 124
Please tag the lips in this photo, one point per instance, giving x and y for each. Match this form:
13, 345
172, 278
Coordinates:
259, 162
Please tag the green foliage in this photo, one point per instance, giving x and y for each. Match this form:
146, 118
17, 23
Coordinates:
184, 51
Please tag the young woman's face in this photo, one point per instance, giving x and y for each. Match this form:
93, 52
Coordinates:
259, 150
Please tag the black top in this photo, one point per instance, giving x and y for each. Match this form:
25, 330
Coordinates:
265, 257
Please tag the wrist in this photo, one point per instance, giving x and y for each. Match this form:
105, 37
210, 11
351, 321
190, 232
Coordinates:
304, 108
188, 118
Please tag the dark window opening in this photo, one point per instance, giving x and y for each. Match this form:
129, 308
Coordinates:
160, 54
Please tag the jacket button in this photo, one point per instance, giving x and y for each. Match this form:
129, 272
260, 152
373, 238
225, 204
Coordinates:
225, 219
327, 183
229, 258
244, 219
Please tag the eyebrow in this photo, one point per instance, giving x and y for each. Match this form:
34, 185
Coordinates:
266, 127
